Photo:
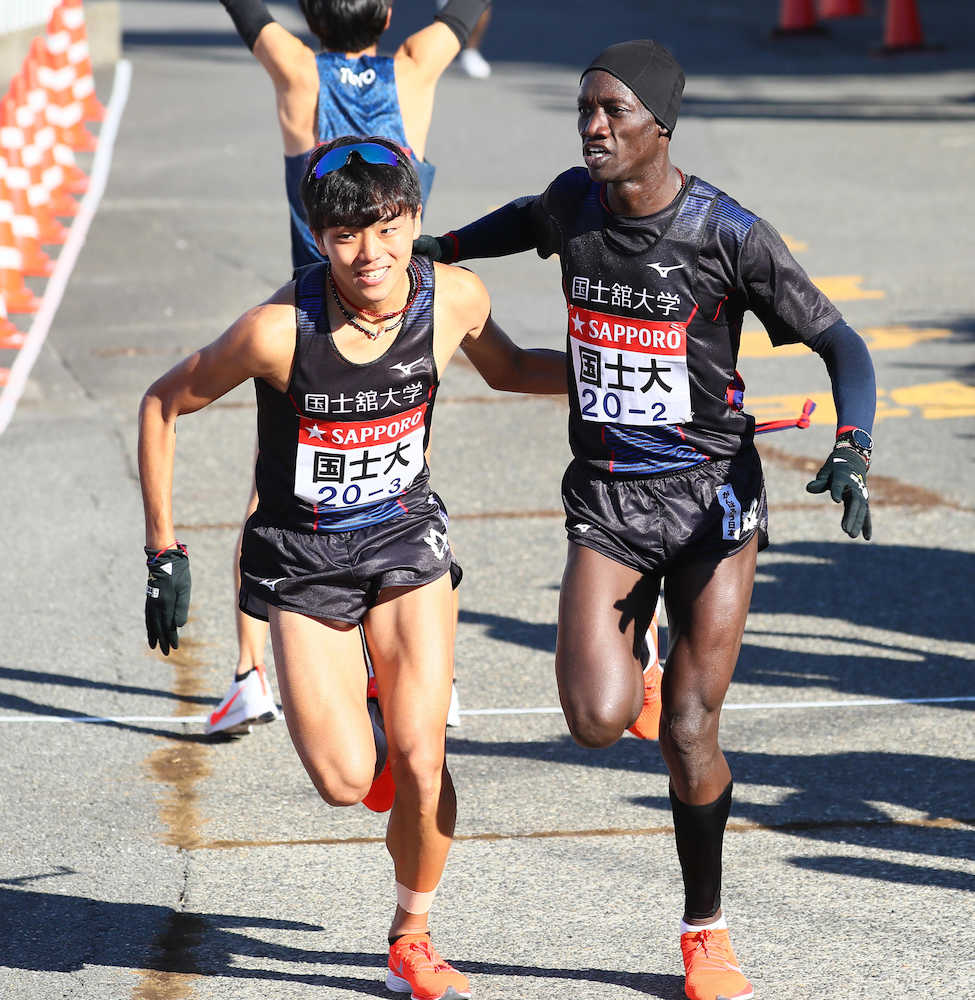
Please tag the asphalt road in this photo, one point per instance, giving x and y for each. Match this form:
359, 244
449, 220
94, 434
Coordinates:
141, 861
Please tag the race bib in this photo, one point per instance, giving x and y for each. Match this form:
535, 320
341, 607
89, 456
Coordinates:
629, 371
352, 463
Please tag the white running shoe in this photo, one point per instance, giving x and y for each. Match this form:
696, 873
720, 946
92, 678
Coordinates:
474, 64
453, 713
248, 701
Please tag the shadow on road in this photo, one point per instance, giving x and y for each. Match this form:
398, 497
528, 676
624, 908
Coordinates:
63, 933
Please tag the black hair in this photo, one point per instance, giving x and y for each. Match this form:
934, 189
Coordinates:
346, 25
359, 193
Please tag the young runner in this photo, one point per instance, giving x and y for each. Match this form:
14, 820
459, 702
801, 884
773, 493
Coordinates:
346, 361
658, 269
346, 87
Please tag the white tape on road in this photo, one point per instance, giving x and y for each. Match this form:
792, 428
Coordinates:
766, 706
58, 282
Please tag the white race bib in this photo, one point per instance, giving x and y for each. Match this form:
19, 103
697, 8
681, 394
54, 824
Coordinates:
629, 371
351, 463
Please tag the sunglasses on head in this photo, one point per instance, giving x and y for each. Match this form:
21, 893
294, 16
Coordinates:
370, 152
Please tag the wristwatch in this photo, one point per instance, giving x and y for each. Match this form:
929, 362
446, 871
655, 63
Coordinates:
859, 440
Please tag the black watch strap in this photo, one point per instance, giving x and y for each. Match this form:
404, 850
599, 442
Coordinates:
857, 439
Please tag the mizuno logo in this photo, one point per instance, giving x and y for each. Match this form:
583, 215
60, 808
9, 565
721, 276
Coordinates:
664, 269
406, 367
271, 584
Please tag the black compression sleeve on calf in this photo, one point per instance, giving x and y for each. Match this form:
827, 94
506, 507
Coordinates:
249, 17
461, 16
700, 832
507, 230
851, 372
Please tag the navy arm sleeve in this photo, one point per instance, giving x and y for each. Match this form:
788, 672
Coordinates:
510, 229
851, 373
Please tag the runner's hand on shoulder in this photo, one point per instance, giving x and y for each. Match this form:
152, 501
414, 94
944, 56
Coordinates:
844, 475
167, 596
430, 246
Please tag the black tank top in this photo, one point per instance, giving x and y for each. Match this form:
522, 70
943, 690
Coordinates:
345, 444
649, 365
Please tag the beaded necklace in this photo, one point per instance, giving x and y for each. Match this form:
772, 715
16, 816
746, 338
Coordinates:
400, 314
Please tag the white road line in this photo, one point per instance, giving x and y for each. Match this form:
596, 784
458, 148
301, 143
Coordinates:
105, 720
749, 707
767, 706
58, 282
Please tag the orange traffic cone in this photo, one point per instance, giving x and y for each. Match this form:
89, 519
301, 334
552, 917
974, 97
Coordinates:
797, 17
36, 153
75, 180
902, 27
841, 8
73, 16
22, 232
23, 177
17, 297
10, 337
57, 76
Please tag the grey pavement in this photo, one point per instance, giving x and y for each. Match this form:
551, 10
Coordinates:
141, 861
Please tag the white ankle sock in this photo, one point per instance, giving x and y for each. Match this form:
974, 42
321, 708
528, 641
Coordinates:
718, 925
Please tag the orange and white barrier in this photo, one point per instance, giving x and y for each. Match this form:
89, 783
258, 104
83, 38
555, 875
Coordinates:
42, 130
73, 19
58, 77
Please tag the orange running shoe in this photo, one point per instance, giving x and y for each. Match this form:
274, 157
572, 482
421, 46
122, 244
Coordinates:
380, 796
647, 725
415, 967
711, 969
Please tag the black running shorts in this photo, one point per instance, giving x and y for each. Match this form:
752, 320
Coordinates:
655, 524
339, 575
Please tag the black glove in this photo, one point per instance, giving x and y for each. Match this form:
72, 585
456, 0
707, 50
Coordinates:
430, 246
844, 474
167, 596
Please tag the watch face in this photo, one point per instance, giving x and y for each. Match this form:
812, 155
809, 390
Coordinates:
861, 439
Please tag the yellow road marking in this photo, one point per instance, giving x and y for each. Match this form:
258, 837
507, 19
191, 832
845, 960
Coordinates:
883, 338
794, 245
846, 288
930, 401
938, 400
755, 343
